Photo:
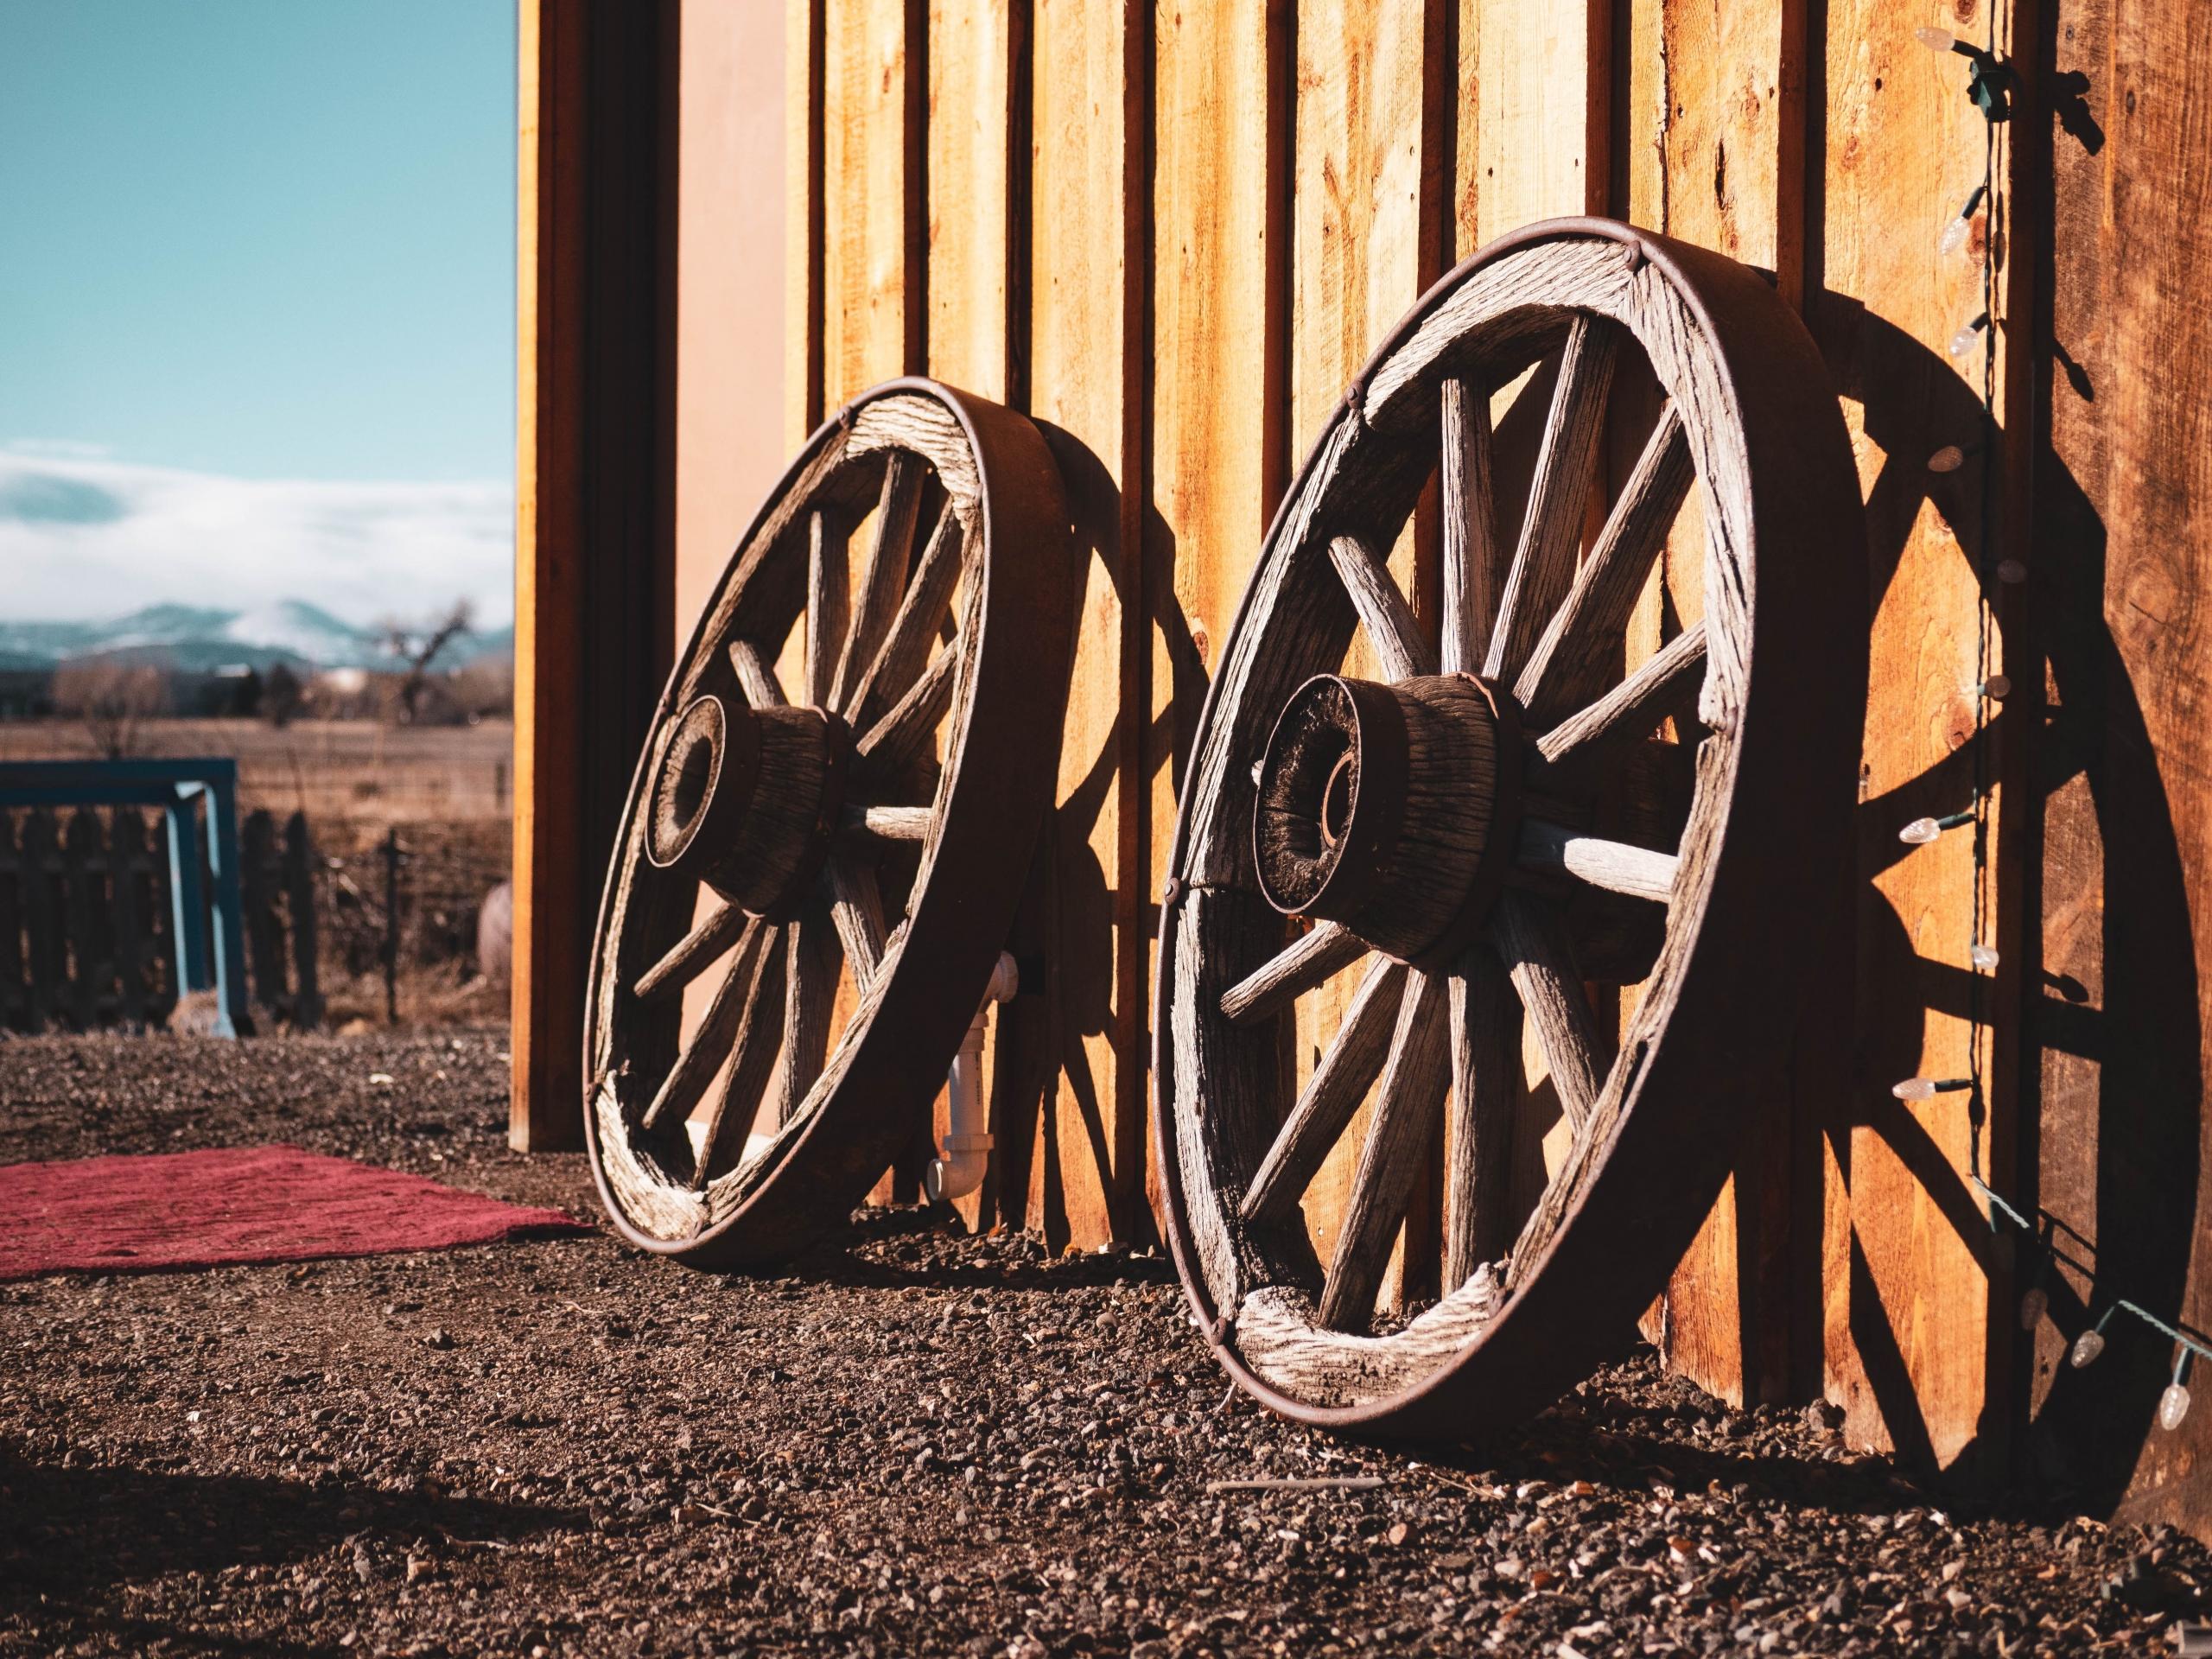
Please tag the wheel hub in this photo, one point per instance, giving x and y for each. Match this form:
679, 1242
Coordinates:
1391, 809
744, 799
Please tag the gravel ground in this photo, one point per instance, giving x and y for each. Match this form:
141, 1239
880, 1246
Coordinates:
911, 1443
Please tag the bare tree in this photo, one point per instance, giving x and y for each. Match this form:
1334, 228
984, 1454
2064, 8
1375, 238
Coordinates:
418, 646
112, 698
281, 695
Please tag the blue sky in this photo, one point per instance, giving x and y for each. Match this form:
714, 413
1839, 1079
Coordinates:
253, 243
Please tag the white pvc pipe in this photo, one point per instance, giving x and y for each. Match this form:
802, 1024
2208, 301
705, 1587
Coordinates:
965, 1151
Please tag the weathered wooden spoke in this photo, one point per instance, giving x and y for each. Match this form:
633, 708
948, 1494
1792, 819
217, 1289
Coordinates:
1635, 705
1471, 563
1318, 954
897, 741
1551, 532
755, 676
914, 629
856, 907
1532, 938
759, 1034
753, 833
694, 1068
826, 580
1330, 1096
1568, 658
1616, 866
812, 953
689, 956
1393, 632
1486, 1036
1398, 1137
883, 580
1479, 816
889, 824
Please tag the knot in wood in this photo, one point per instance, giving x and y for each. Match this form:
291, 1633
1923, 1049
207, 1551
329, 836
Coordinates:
1391, 809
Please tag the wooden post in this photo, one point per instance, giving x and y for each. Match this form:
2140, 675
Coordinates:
595, 536
299, 910
391, 949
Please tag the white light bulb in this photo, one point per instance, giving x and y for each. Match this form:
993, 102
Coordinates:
1984, 958
1936, 40
1920, 832
1962, 342
2173, 1406
1915, 1089
1949, 459
2011, 571
1954, 237
2087, 1347
2035, 1301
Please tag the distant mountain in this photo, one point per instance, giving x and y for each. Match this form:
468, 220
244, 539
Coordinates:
292, 632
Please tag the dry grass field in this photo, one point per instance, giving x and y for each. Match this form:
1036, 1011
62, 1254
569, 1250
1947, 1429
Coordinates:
330, 769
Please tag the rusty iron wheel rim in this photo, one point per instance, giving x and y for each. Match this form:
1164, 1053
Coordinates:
876, 804
1779, 689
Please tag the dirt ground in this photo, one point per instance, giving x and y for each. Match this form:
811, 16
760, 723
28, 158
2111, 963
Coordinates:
907, 1443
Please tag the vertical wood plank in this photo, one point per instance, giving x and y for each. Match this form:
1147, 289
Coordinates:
1219, 446
1367, 199
805, 41
1714, 145
2122, 519
1532, 124
595, 496
973, 52
1534, 115
874, 284
1914, 1346
1089, 113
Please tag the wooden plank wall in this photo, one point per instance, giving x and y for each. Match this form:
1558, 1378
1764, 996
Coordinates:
1174, 233
2121, 502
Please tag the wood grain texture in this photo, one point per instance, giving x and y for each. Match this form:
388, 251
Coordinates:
1714, 152
713, 934
1531, 938
1543, 563
1909, 1350
875, 304
1485, 1045
1314, 955
1473, 568
1080, 1111
2117, 537
1340, 1082
1220, 355
1534, 109
974, 59
594, 581
1394, 634
1397, 1149
1367, 181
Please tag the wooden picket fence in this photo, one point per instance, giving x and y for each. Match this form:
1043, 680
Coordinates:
87, 931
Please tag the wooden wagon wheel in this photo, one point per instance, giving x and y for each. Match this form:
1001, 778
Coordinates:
845, 835
1492, 824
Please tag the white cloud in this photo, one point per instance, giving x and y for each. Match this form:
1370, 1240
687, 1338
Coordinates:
82, 537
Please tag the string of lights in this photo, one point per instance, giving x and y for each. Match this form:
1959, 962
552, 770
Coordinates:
1989, 84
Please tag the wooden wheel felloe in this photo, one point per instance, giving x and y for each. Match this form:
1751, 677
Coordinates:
1487, 829
829, 823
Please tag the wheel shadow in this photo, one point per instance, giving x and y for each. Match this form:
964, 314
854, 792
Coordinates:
2103, 1111
70, 1535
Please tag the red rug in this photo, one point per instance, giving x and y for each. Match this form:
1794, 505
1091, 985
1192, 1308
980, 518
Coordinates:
232, 1205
